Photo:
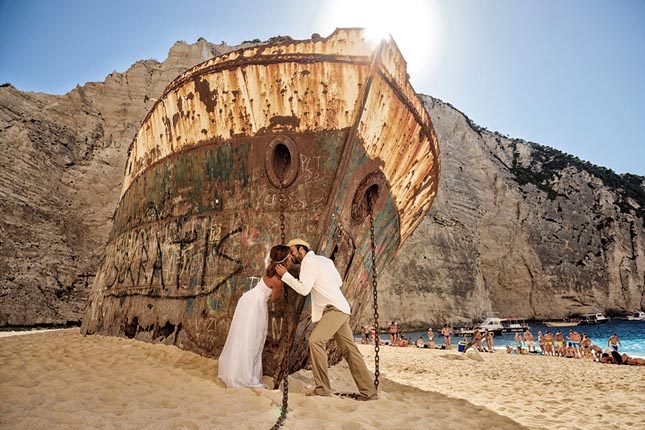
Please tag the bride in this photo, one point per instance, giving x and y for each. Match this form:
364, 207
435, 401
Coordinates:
240, 364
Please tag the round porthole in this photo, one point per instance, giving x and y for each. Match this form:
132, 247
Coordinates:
369, 190
281, 161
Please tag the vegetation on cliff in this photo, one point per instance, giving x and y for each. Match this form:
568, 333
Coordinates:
547, 164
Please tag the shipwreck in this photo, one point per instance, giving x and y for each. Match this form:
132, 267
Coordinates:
293, 138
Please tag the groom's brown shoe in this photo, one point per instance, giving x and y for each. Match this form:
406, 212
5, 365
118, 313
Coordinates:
318, 392
367, 398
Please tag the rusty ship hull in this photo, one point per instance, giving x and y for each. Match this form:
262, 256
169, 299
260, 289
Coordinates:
304, 131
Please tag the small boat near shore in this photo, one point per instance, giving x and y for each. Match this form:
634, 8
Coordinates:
496, 325
590, 319
562, 323
636, 316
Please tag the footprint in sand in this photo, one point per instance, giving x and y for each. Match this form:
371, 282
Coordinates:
167, 404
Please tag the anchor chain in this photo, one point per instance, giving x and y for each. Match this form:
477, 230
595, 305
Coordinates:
374, 289
285, 381
282, 203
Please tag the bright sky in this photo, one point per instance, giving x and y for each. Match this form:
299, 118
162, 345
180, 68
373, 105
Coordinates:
566, 74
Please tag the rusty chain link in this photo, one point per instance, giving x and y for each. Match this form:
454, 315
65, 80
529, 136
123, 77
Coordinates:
282, 204
285, 381
374, 285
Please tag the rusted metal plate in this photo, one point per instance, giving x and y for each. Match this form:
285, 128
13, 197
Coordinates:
199, 209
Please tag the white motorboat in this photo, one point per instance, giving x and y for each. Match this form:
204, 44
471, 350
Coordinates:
496, 325
636, 316
590, 319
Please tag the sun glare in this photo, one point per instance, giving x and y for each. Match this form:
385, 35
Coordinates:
411, 23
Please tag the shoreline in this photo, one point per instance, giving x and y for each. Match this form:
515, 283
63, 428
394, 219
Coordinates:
9, 333
498, 349
41, 326
631, 334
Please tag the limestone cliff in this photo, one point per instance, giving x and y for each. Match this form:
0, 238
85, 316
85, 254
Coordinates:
517, 228
61, 165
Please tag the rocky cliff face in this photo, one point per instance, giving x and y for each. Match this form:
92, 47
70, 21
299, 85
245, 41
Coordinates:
517, 228
61, 165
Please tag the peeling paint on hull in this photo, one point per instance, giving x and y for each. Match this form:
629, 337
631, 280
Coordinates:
335, 118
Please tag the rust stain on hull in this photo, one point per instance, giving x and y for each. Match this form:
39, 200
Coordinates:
200, 209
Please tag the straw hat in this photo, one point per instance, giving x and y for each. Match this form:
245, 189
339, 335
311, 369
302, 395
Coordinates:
296, 242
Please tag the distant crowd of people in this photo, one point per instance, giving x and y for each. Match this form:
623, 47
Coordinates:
368, 336
575, 345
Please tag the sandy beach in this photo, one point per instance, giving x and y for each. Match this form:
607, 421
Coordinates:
62, 380
538, 392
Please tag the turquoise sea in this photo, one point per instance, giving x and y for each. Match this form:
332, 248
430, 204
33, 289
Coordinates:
630, 333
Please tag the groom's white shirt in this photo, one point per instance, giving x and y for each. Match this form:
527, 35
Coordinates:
319, 276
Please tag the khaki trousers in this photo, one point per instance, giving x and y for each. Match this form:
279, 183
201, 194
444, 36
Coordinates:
336, 323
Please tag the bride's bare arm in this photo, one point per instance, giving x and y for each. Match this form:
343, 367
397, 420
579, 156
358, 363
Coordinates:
276, 291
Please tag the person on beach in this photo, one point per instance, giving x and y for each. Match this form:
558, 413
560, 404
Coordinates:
596, 352
586, 345
541, 341
548, 343
403, 341
570, 351
529, 340
488, 337
394, 333
420, 343
430, 338
559, 344
616, 358
331, 311
364, 335
477, 336
613, 342
518, 343
632, 361
576, 341
446, 332
240, 363
373, 338
476, 341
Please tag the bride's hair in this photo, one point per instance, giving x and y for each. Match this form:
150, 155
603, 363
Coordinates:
278, 255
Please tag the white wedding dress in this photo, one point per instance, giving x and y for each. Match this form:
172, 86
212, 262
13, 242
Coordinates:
240, 364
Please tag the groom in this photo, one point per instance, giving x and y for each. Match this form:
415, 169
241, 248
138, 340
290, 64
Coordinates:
331, 311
